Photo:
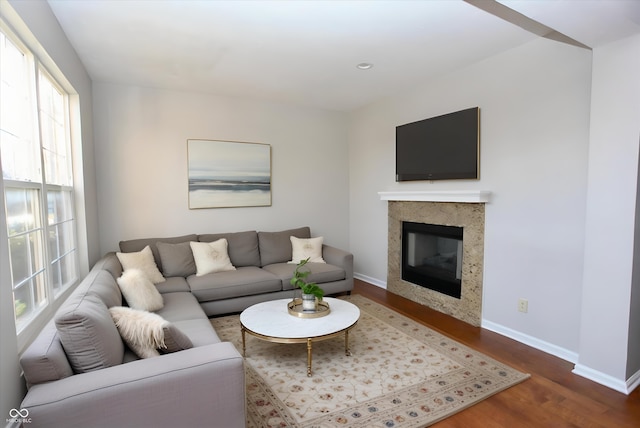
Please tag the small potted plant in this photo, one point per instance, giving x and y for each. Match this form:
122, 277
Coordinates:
311, 292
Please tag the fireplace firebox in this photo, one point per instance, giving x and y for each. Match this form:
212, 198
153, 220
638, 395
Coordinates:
432, 257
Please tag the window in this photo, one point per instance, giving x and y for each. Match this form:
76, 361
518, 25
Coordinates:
35, 154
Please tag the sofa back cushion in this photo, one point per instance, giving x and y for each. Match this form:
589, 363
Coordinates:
242, 246
45, 358
111, 264
101, 284
275, 247
87, 332
133, 245
176, 259
88, 335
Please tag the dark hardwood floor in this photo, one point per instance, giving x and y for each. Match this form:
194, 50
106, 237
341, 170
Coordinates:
552, 397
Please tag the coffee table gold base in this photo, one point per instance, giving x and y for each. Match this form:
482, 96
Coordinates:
308, 340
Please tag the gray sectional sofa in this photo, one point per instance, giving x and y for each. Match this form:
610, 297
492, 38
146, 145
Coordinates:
80, 372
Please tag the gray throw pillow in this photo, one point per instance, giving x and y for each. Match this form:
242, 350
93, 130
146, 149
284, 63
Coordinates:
175, 340
177, 259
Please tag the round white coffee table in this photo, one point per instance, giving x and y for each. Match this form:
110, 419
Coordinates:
272, 322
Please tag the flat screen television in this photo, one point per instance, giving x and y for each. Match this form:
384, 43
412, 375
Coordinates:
444, 147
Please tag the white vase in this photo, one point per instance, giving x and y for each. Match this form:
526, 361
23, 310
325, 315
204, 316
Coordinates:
308, 302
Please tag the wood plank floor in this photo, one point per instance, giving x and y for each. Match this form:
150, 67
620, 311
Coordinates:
552, 397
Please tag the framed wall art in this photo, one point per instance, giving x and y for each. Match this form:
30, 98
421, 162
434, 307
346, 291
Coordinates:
225, 174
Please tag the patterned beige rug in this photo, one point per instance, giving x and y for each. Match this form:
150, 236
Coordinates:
400, 374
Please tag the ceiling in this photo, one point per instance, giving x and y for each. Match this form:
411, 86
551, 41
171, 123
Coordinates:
306, 52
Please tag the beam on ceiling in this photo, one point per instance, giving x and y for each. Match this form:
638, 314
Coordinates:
516, 18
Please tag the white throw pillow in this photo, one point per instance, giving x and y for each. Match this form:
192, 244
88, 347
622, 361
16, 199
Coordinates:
211, 257
142, 331
142, 260
303, 249
139, 291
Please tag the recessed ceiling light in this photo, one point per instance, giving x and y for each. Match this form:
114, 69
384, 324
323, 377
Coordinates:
364, 65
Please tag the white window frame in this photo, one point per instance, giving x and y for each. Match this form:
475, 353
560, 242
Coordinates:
54, 298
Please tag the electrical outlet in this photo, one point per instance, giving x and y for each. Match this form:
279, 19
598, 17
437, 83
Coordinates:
523, 305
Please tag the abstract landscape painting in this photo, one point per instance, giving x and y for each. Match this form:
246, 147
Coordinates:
226, 174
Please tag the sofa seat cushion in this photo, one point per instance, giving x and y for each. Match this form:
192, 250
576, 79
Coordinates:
244, 281
320, 272
199, 331
173, 284
129, 356
180, 306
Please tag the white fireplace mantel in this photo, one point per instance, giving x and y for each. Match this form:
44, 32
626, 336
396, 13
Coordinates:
469, 196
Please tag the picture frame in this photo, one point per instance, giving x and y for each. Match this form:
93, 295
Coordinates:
226, 174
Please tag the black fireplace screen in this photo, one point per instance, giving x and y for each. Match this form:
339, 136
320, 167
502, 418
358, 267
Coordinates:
432, 257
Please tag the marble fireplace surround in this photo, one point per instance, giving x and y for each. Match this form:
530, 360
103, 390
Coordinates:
451, 208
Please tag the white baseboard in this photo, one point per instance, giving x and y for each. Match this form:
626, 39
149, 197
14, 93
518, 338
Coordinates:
609, 381
633, 382
370, 280
581, 370
534, 342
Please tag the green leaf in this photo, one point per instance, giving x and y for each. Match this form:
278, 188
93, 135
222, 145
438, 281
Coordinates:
298, 280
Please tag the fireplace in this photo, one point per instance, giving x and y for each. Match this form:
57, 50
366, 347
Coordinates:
432, 257
463, 210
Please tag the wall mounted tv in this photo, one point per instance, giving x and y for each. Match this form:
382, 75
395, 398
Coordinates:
444, 147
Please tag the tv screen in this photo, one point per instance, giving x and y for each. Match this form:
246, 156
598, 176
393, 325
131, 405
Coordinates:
445, 147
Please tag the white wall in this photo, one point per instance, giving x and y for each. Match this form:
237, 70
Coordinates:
141, 146
534, 103
611, 216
